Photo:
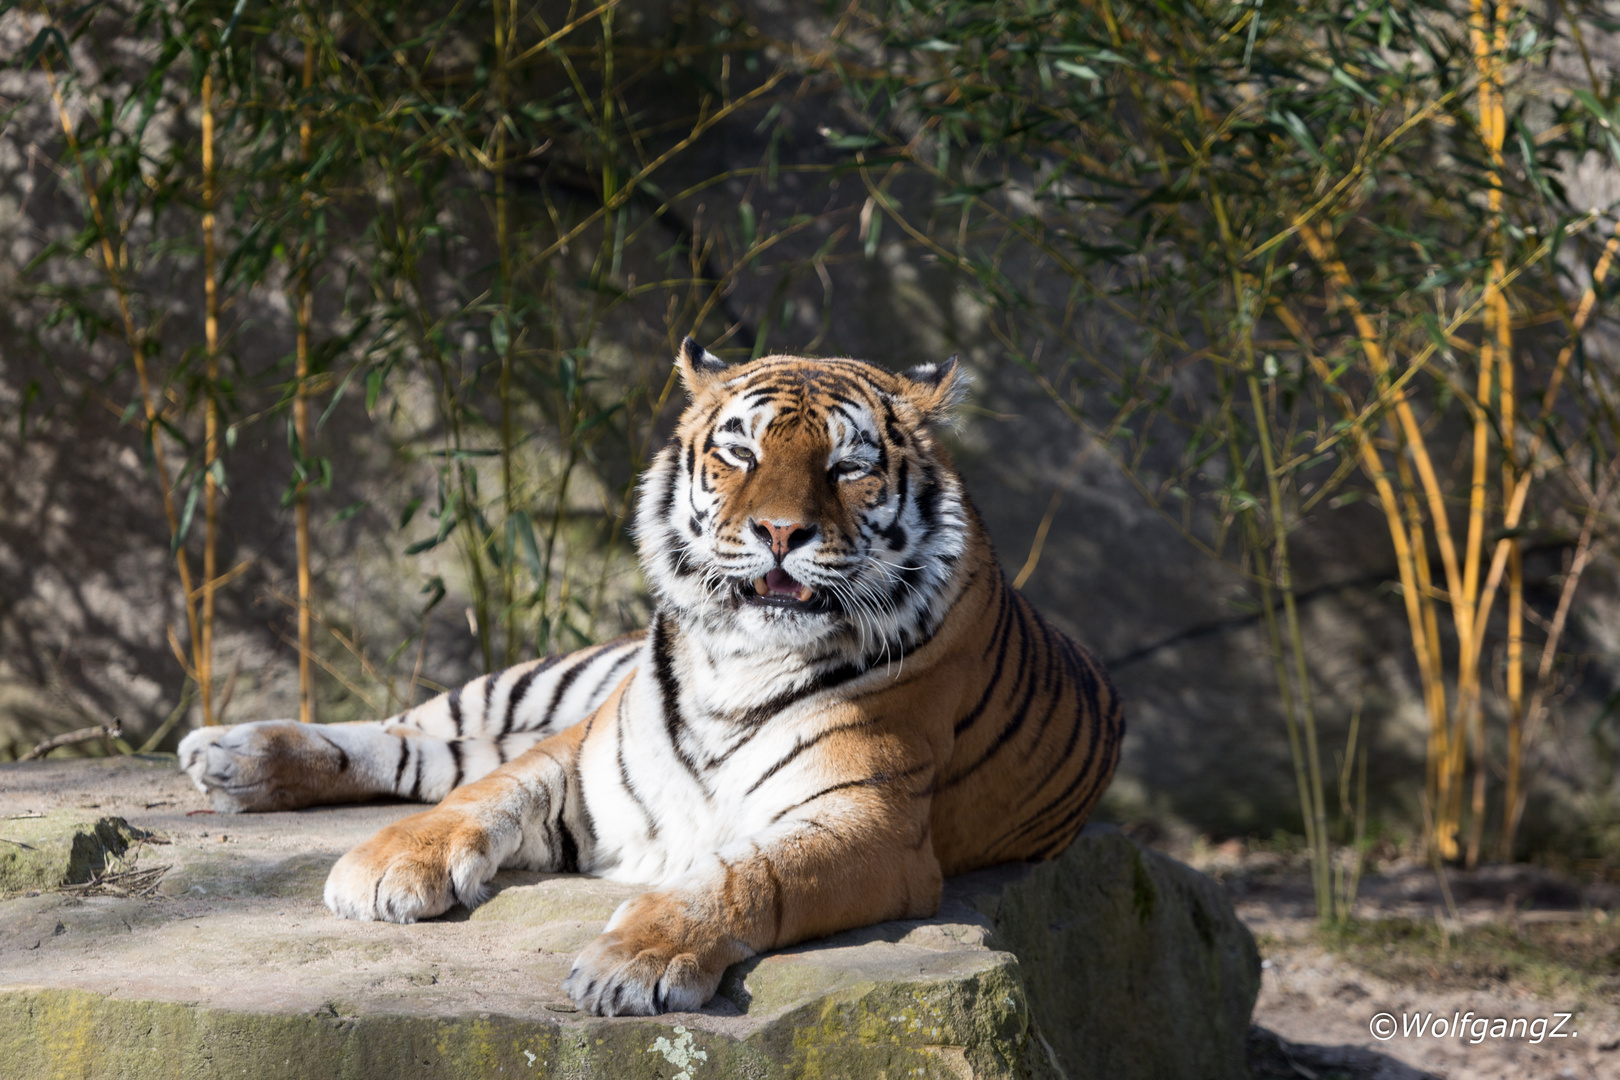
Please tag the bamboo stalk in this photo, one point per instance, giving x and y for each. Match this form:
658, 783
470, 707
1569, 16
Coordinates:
1319, 244
1513, 808
1515, 507
1488, 31
1411, 560
1515, 696
306, 671
205, 658
1312, 801
1426, 643
1468, 703
1265, 576
505, 25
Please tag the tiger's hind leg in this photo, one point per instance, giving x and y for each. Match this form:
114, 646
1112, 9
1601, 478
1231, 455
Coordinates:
421, 754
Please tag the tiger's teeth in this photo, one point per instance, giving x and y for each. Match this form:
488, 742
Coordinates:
804, 594
760, 587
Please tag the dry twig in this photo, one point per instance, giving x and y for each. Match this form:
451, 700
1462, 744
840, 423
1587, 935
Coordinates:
105, 732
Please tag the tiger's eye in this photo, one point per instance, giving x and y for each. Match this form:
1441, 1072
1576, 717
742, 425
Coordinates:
741, 453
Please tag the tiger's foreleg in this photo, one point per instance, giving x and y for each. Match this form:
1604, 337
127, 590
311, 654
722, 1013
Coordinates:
420, 754
854, 863
527, 814
285, 765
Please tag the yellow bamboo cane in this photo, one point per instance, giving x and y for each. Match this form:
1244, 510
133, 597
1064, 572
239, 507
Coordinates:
306, 672
205, 658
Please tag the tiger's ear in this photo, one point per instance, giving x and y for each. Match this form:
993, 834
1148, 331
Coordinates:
700, 369
936, 389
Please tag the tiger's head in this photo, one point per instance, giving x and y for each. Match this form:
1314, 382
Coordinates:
807, 504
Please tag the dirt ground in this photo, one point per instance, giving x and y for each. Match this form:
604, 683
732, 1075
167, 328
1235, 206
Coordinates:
1514, 943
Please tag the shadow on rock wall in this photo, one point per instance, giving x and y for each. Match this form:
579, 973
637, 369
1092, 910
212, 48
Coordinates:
88, 592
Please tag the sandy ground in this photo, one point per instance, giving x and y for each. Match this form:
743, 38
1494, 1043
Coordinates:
1318, 1005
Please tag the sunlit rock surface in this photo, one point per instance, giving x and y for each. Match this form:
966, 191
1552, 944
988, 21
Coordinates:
1109, 962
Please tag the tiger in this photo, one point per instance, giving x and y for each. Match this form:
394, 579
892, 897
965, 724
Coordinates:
838, 701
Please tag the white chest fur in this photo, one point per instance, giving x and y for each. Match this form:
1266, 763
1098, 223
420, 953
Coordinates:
696, 756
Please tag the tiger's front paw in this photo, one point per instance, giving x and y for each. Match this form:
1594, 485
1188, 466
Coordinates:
414, 869
648, 962
266, 765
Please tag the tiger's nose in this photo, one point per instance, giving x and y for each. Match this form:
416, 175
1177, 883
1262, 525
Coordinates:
783, 536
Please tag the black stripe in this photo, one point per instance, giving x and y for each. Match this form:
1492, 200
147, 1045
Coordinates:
828, 679
1001, 633
561, 688
416, 782
754, 719
895, 534
611, 672
343, 755
1003, 594
489, 700
1056, 659
928, 496
1058, 764
624, 773
1016, 720
454, 747
404, 756
1068, 825
455, 707
777, 901
801, 746
681, 563
521, 688
1004, 631
586, 824
666, 498
868, 781
875, 780
669, 691
1087, 675
568, 863
553, 835
1104, 730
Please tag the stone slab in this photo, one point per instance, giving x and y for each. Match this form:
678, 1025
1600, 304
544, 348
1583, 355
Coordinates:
231, 966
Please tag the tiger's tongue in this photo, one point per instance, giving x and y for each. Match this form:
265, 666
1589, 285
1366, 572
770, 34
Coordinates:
781, 583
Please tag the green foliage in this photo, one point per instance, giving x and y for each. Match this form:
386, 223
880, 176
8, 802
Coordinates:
478, 201
1255, 249
1231, 243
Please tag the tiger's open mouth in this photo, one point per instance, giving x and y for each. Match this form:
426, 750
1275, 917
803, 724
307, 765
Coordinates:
778, 589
